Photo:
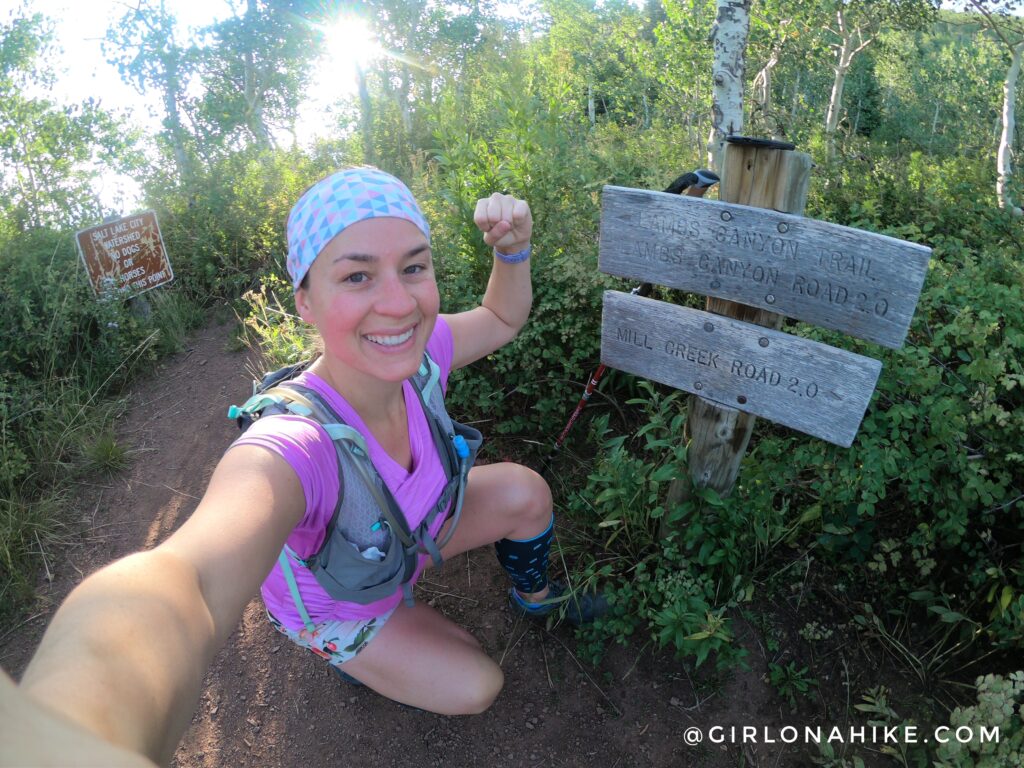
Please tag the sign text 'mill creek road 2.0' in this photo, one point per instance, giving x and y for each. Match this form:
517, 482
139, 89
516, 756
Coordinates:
812, 387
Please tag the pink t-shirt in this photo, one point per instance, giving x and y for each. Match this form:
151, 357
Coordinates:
310, 452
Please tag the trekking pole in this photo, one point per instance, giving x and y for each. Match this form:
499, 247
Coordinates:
693, 184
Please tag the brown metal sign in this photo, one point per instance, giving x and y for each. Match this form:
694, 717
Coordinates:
126, 256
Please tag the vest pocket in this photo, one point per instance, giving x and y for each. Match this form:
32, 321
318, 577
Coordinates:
346, 575
474, 438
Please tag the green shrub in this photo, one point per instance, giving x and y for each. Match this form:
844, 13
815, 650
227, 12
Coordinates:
1000, 708
677, 591
225, 228
63, 352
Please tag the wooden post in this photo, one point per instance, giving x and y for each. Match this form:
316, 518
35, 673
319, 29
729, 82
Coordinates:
762, 174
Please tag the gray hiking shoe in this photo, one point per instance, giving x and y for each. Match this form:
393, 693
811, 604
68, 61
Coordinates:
576, 607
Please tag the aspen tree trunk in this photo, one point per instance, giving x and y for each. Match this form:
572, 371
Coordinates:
366, 110
403, 100
844, 58
254, 104
171, 89
835, 103
763, 84
252, 93
729, 38
173, 122
591, 109
796, 98
1004, 158
172, 95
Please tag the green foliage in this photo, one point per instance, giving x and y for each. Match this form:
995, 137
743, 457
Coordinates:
226, 228
273, 330
678, 591
931, 493
988, 734
533, 147
104, 454
1000, 706
922, 519
50, 153
29, 527
52, 325
63, 352
791, 682
255, 68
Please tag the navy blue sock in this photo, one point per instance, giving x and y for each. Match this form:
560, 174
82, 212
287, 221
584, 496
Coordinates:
526, 562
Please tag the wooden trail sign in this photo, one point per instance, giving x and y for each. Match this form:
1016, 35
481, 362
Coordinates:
861, 283
755, 264
803, 384
126, 256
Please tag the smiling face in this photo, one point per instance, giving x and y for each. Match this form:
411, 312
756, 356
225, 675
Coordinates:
372, 296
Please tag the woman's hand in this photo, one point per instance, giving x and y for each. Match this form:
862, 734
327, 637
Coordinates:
506, 222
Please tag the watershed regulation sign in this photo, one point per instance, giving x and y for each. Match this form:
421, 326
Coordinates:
126, 256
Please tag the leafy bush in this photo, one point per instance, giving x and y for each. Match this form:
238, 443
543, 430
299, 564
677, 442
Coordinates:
1000, 707
678, 591
225, 228
63, 352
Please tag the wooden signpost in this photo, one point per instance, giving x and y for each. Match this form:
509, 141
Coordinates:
125, 256
757, 266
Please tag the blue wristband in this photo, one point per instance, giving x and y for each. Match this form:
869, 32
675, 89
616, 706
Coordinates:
513, 258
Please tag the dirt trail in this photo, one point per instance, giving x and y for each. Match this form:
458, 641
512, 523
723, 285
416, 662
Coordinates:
266, 703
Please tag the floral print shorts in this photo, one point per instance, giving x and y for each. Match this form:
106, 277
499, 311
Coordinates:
335, 641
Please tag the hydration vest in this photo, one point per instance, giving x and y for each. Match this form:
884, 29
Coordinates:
368, 552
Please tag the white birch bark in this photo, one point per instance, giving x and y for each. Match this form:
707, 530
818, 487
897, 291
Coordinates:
1004, 158
845, 51
729, 38
252, 92
762, 86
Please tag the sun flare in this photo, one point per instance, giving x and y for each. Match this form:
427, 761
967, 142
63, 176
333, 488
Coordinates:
350, 43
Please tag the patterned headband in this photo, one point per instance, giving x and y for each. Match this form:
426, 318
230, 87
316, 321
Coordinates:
338, 202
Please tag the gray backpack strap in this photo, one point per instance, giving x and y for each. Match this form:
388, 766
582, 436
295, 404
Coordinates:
457, 445
306, 402
341, 565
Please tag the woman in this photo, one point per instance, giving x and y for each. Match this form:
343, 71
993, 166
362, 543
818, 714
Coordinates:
126, 654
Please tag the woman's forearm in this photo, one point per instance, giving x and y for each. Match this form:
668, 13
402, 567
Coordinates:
509, 293
126, 654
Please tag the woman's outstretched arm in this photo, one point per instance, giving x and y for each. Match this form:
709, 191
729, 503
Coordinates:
125, 655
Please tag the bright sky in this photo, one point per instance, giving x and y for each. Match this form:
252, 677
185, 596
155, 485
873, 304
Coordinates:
82, 71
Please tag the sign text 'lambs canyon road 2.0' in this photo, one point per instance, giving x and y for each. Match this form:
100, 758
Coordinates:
861, 283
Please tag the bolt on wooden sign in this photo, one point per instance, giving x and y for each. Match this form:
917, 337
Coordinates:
126, 256
845, 279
